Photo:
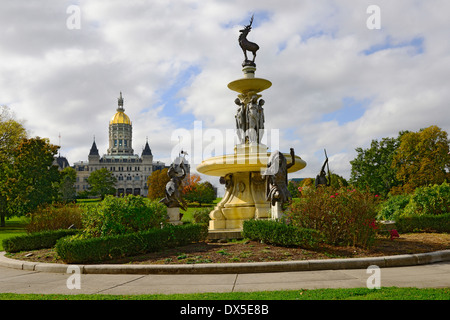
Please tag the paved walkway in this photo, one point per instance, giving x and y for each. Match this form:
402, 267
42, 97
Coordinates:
12, 280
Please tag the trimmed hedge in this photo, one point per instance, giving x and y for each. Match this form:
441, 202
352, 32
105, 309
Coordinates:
278, 233
35, 240
83, 250
426, 222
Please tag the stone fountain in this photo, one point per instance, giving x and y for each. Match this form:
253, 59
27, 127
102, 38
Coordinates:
250, 190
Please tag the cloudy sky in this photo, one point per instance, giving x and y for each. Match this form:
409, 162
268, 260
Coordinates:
336, 83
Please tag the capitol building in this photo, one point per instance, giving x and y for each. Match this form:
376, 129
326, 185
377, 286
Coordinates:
130, 170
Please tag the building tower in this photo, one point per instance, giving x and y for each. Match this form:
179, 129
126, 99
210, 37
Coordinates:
94, 156
120, 132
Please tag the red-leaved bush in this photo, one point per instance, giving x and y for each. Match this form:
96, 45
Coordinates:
344, 216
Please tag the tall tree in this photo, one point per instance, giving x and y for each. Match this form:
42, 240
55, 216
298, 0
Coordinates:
422, 158
191, 183
102, 182
338, 181
203, 192
156, 183
31, 180
372, 166
11, 133
67, 181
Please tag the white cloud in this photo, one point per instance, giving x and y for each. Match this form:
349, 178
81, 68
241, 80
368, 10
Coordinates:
67, 81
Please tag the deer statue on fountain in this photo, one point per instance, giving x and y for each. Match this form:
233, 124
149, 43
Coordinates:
247, 45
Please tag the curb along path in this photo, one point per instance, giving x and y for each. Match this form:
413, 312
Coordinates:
246, 267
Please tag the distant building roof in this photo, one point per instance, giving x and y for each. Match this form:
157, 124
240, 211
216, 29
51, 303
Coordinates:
61, 162
94, 150
147, 151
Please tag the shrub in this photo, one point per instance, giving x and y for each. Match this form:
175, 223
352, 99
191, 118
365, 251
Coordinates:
36, 240
393, 206
345, 217
278, 233
115, 216
55, 217
79, 249
432, 199
424, 223
202, 215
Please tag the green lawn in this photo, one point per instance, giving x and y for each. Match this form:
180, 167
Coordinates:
391, 293
188, 214
13, 227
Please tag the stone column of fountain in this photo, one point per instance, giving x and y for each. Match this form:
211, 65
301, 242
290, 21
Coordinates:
240, 172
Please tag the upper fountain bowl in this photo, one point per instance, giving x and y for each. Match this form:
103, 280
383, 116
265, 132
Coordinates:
246, 85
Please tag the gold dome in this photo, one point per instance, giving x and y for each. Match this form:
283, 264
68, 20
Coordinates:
120, 117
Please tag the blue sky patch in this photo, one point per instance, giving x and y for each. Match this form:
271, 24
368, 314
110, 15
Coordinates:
416, 45
312, 33
171, 97
260, 17
351, 110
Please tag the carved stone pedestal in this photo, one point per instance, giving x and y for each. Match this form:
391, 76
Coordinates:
244, 199
174, 215
276, 211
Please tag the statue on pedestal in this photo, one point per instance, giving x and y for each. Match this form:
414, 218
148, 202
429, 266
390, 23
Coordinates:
247, 45
255, 120
250, 120
276, 178
173, 198
241, 121
321, 178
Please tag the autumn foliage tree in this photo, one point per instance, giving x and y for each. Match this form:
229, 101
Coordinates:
196, 191
191, 183
156, 183
421, 159
400, 165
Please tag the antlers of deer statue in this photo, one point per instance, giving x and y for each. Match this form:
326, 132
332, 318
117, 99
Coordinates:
247, 45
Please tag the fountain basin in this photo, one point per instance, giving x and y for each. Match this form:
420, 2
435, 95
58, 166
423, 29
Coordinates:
245, 184
246, 85
250, 162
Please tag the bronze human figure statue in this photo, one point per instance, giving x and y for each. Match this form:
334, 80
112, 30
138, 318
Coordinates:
276, 178
247, 45
255, 120
250, 120
173, 196
321, 178
241, 120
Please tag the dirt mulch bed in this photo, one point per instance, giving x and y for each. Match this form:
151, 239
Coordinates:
252, 251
